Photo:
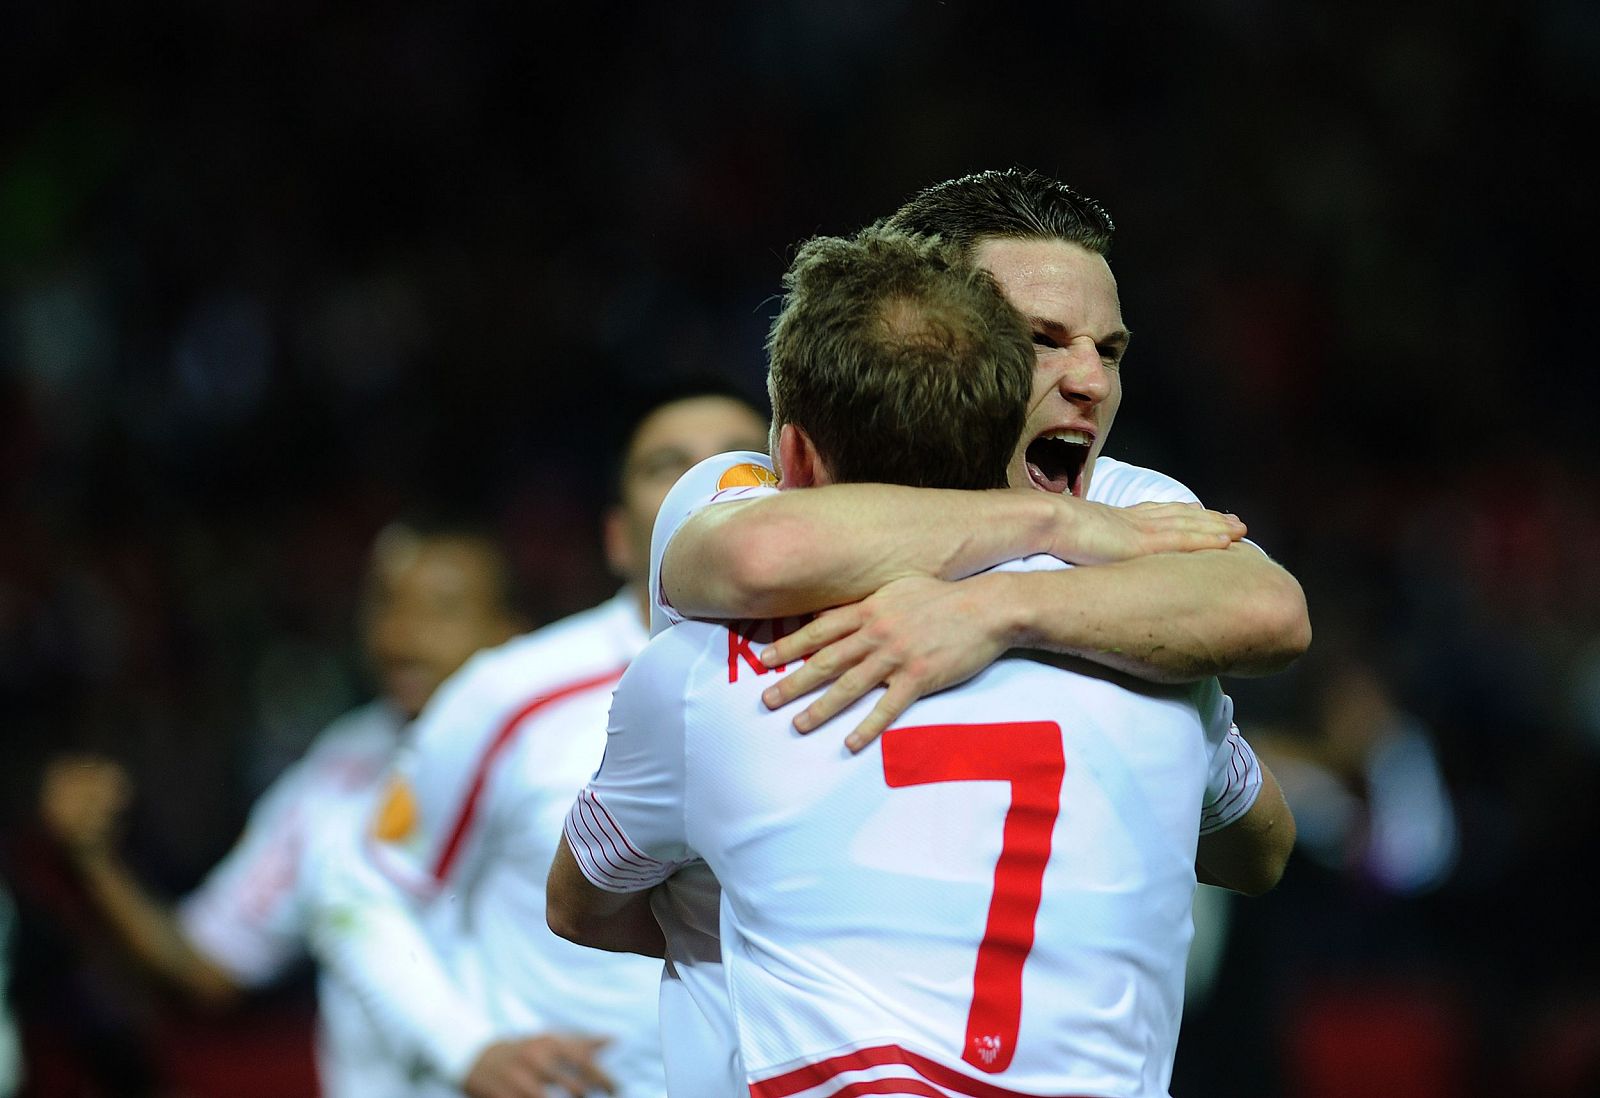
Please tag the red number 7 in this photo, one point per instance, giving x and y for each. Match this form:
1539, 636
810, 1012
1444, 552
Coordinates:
1028, 755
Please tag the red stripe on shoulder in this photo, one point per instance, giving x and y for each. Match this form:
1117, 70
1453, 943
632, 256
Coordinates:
497, 746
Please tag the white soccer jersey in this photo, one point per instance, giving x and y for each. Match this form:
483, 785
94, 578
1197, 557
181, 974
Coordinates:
993, 899
473, 823
745, 474
251, 915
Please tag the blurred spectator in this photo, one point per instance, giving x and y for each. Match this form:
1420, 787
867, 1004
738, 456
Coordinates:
1340, 976
1370, 799
435, 595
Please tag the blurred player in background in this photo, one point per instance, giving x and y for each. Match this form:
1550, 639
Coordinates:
1149, 609
854, 911
445, 932
435, 595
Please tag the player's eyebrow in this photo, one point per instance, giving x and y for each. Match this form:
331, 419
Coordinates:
1118, 339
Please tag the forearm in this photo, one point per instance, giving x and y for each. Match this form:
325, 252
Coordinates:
801, 551
628, 928
151, 932
580, 912
371, 942
1249, 856
1172, 617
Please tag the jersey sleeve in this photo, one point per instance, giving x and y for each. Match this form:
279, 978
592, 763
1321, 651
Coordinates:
247, 916
740, 474
364, 932
1122, 485
1233, 780
434, 804
626, 829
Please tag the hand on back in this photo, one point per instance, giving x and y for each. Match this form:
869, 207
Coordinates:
915, 636
544, 1066
1097, 533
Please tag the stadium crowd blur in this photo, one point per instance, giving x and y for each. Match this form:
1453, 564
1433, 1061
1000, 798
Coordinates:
269, 274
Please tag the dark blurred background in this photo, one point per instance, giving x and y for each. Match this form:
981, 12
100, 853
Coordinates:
271, 271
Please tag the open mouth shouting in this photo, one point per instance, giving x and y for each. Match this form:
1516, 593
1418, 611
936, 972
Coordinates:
1055, 460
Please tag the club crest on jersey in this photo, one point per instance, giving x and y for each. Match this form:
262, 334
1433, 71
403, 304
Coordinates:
747, 475
987, 1047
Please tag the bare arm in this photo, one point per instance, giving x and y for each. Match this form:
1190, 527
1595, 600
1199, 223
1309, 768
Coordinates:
801, 551
621, 922
1173, 617
1249, 855
82, 800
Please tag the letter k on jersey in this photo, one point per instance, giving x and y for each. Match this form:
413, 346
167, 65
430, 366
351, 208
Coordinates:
744, 636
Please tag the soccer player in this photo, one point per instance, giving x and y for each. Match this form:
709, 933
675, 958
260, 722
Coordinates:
1150, 609
474, 814
435, 594
995, 898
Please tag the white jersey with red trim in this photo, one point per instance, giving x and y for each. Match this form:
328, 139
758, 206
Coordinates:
745, 474
473, 821
994, 899
251, 915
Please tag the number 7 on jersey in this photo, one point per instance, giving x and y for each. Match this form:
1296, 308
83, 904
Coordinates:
1028, 755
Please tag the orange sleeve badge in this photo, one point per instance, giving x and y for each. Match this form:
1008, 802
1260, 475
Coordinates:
397, 815
747, 475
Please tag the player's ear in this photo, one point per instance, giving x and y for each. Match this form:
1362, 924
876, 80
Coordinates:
799, 463
618, 546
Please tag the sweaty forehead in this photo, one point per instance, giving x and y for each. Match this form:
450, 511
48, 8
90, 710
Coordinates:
1056, 281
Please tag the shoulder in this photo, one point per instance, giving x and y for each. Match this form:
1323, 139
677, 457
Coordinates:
1122, 485
722, 473
676, 651
737, 474
350, 752
722, 478
592, 640
585, 651
373, 728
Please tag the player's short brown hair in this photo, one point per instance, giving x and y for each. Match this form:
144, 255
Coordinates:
902, 362
1006, 204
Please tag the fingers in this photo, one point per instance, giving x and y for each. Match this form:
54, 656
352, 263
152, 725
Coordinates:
849, 688
536, 1067
578, 1078
506, 1069
1183, 527
574, 1067
821, 631
819, 670
520, 1081
895, 701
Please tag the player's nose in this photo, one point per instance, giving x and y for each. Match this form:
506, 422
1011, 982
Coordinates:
1084, 378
